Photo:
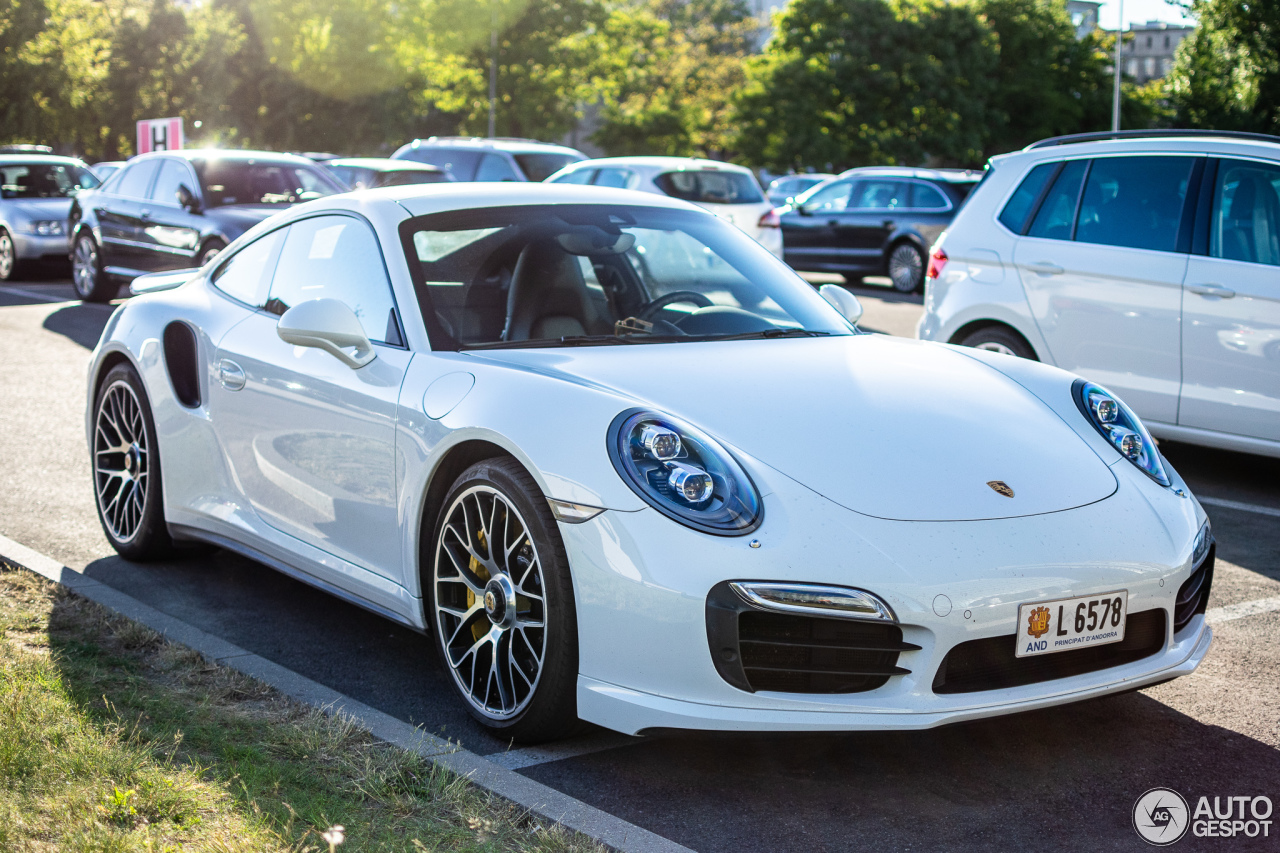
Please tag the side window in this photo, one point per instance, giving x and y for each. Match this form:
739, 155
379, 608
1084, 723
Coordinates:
136, 179
494, 167
247, 273
1057, 212
925, 197
620, 178
830, 199
336, 257
172, 174
577, 176
1246, 213
1015, 213
879, 195
1134, 202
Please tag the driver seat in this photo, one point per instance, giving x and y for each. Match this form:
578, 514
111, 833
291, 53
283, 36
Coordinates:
549, 297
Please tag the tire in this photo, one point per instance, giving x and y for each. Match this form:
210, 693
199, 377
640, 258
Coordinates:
905, 266
126, 465
209, 251
87, 277
8, 256
854, 279
999, 339
486, 611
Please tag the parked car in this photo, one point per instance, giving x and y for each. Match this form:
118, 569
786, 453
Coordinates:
362, 173
785, 189
106, 168
474, 159
730, 192
36, 192
177, 209
555, 428
1147, 261
874, 221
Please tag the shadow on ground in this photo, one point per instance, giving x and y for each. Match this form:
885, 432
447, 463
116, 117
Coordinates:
81, 323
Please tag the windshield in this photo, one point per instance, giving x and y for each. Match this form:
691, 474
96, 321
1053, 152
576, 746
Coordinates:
539, 167
710, 186
44, 180
571, 275
237, 181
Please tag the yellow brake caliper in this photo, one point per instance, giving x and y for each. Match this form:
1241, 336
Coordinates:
480, 627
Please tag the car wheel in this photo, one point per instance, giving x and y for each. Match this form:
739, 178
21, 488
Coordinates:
209, 252
999, 339
906, 268
8, 256
126, 465
90, 282
502, 602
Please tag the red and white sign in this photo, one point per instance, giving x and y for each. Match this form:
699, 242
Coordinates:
159, 134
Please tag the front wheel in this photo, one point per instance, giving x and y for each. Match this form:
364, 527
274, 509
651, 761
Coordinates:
906, 268
87, 276
126, 468
999, 339
502, 602
8, 256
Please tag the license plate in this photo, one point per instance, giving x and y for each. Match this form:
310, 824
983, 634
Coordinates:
1063, 624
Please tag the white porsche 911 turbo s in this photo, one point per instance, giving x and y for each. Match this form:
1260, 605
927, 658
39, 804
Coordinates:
626, 467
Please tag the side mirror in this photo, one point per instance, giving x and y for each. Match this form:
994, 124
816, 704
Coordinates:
187, 199
843, 301
329, 325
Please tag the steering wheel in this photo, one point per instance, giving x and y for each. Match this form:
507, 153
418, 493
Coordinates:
650, 311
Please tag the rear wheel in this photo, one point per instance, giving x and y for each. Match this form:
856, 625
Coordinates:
502, 602
906, 268
126, 468
87, 277
8, 256
999, 339
210, 251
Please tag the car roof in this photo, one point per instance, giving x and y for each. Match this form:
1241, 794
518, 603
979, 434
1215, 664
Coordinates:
36, 159
948, 175
384, 164
501, 143
658, 163
1216, 144
226, 154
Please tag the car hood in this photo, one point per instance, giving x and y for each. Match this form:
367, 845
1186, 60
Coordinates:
36, 209
885, 427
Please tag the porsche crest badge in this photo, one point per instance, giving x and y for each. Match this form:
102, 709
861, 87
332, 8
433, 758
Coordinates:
1000, 487
1038, 622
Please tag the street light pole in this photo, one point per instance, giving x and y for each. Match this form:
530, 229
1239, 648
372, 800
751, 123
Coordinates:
1115, 97
493, 64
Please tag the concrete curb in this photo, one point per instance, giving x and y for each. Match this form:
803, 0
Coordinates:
539, 799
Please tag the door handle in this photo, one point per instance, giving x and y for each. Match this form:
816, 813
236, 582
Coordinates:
1212, 290
1045, 268
230, 374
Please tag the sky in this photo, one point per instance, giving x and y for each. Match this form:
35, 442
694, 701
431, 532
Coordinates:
1139, 12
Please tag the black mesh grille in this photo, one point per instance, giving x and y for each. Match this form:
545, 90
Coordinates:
990, 664
1193, 596
756, 649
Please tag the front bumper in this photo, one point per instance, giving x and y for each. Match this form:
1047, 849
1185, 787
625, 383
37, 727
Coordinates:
641, 583
30, 247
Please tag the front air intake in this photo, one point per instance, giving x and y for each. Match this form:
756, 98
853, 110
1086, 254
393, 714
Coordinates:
1193, 595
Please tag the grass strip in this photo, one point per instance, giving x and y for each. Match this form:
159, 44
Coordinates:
113, 739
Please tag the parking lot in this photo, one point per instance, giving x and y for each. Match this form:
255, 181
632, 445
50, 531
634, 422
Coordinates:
1065, 777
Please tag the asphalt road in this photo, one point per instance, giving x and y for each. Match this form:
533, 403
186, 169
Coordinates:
1062, 778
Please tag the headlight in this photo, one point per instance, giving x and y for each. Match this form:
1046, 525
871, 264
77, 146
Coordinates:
45, 227
1120, 426
683, 473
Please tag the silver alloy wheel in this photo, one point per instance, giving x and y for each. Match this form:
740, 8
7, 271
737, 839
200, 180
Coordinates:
905, 267
120, 460
84, 267
490, 602
6, 256
208, 254
995, 346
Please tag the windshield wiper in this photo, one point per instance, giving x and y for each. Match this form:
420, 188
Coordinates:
579, 341
768, 333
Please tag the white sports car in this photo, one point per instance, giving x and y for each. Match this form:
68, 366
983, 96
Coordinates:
628, 468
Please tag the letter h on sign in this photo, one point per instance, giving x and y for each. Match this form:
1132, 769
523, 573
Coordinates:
159, 134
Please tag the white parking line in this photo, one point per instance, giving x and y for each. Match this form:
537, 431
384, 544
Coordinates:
1243, 507
31, 294
1214, 615
532, 755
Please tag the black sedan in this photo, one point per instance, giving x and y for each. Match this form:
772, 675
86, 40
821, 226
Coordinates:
873, 221
177, 209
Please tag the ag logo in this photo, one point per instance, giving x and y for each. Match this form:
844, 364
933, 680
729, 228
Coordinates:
1038, 622
1160, 816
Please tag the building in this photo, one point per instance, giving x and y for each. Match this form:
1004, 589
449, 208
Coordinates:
1084, 16
1149, 49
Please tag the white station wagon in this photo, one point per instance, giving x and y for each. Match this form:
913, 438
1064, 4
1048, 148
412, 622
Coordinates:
1148, 262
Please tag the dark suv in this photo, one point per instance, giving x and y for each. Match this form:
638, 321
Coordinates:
472, 159
176, 209
873, 221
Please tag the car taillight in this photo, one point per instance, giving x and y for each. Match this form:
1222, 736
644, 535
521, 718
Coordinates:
770, 220
937, 260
